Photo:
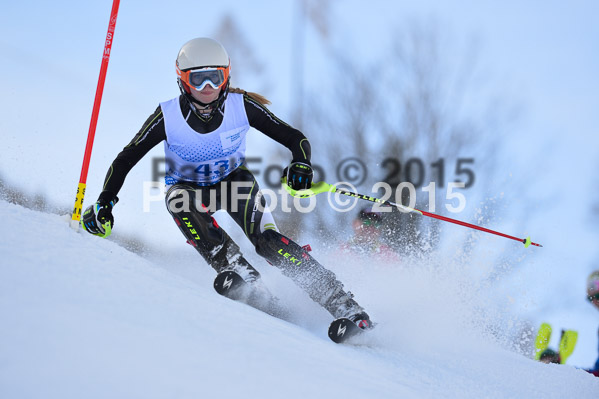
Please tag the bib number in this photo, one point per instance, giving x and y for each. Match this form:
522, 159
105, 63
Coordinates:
214, 170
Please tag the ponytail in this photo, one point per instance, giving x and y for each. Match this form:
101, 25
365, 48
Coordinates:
257, 97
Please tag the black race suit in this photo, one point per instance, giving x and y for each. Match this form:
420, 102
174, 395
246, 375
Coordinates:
200, 228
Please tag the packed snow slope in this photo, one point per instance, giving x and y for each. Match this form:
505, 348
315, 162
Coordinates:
82, 317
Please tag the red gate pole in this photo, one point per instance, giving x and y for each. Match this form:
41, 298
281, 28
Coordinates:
76, 217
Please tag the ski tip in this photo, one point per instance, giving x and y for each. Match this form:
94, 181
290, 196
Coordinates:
227, 282
343, 329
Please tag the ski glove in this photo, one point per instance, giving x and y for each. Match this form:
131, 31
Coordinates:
299, 175
97, 218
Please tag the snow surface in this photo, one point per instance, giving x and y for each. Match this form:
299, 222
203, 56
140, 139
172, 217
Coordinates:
83, 317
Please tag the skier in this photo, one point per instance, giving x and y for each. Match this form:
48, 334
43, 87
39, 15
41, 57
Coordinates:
204, 133
366, 240
593, 297
567, 344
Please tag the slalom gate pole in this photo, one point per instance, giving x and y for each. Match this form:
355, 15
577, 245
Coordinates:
323, 187
76, 217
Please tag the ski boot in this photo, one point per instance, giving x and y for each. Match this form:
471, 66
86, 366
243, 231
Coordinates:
342, 305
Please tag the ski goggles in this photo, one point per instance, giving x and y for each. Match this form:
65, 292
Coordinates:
216, 77
594, 297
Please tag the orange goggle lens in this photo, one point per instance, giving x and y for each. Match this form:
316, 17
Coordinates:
199, 78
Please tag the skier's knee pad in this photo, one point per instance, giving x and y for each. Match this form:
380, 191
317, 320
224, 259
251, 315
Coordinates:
283, 252
296, 263
193, 219
269, 243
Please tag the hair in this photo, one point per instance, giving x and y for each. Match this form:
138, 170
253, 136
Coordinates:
257, 97
551, 356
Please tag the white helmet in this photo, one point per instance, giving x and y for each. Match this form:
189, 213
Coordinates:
200, 62
202, 52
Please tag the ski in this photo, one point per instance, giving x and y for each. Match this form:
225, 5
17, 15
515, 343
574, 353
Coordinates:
231, 285
343, 329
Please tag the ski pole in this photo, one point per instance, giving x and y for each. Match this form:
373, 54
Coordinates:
94, 120
323, 187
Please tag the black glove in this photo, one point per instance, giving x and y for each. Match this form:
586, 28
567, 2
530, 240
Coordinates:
299, 175
97, 218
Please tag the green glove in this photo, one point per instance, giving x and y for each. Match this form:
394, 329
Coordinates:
97, 218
